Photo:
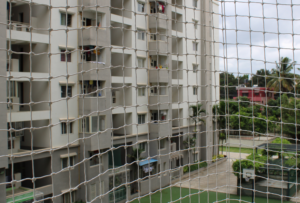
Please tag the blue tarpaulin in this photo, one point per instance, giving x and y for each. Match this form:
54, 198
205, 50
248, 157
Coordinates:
142, 163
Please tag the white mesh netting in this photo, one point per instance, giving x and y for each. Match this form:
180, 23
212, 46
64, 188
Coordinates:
149, 101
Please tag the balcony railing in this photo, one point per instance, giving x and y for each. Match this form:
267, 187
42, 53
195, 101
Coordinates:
118, 195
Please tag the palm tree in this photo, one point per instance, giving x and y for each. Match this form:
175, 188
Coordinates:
136, 154
197, 111
219, 117
281, 78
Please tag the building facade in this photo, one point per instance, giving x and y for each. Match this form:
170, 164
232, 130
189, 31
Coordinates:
260, 95
98, 97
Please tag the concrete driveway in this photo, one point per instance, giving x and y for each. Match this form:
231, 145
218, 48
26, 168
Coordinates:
217, 178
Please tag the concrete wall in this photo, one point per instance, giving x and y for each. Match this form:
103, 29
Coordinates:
3, 106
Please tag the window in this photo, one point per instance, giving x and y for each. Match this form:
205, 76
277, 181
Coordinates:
98, 123
141, 7
153, 63
141, 91
195, 68
63, 56
142, 146
195, 3
64, 91
141, 62
92, 191
86, 22
94, 158
85, 125
12, 86
245, 94
256, 94
141, 118
195, 46
92, 88
66, 19
64, 128
65, 164
67, 198
141, 34
162, 144
195, 90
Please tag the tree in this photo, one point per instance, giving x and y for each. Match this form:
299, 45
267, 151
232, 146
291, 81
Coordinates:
222, 137
190, 143
281, 78
260, 78
136, 154
227, 79
197, 111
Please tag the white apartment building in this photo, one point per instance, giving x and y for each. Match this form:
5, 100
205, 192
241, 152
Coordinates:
88, 85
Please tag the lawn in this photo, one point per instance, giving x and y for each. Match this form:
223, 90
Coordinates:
238, 150
164, 197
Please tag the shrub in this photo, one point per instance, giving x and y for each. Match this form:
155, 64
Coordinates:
194, 167
220, 156
278, 140
239, 165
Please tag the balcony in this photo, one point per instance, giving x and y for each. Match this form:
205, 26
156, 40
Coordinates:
177, 94
20, 116
121, 95
119, 126
95, 142
118, 6
162, 99
23, 192
91, 104
159, 75
19, 32
158, 47
118, 61
177, 71
177, 22
177, 118
93, 70
160, 129
92, 3
93, 36
158, 20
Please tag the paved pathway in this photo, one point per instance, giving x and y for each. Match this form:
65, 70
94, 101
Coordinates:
216, 178
235, 155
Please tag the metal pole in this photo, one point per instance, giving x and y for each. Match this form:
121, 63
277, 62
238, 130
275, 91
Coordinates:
253, 190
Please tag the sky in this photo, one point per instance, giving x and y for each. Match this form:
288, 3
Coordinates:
282, 34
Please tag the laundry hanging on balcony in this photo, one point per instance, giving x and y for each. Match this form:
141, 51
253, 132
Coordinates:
147, 169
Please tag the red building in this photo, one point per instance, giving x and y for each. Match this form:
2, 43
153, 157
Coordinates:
255, 94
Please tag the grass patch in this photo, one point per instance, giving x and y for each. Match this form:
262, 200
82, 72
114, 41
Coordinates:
240, 150
205, 197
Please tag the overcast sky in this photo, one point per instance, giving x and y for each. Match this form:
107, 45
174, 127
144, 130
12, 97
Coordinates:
277, 45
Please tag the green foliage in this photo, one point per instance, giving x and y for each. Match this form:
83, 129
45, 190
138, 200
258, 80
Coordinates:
136, 154
194, 167
197, 111
281, 79
279, 140
239, 165
220, 156
260, 78
222, 136
190, 142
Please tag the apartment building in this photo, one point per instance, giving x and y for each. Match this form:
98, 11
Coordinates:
89, 85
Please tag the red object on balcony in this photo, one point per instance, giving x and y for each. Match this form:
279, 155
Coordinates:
255, 94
